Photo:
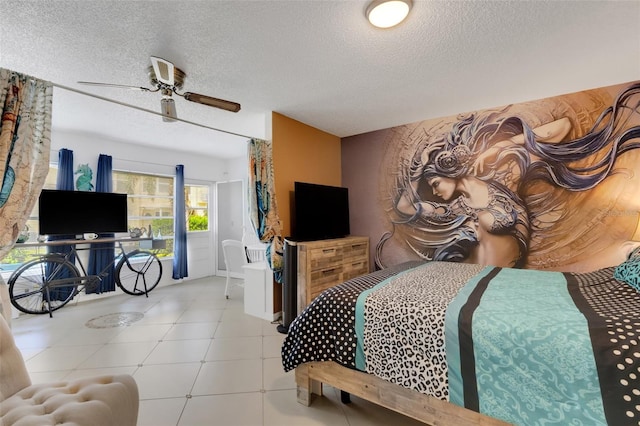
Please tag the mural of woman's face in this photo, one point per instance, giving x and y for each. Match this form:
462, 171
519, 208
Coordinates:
443, 187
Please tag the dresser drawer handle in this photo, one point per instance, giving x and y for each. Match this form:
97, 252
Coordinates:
329, 271
328, 250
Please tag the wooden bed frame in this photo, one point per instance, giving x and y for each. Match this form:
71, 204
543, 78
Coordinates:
411, 403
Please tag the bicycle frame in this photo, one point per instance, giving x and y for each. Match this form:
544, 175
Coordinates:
88, 279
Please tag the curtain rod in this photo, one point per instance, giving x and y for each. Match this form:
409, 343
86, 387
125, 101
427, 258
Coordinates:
130, 161
71, 89
144, 162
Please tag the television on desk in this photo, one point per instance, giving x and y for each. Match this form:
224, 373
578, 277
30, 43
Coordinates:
320, 212
79, 212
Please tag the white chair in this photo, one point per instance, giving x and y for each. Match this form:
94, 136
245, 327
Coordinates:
254, 247
256, 253
235, 258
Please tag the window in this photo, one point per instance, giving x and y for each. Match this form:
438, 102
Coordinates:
18, 255
32, 222
149, 203
197, 207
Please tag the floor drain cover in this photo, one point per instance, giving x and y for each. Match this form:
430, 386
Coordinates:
119, 319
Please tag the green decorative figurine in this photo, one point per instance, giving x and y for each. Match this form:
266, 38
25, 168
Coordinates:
83, 183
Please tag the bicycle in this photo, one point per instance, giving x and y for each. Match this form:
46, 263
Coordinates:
48, 283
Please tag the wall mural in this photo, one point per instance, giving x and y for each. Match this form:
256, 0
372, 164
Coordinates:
549, 184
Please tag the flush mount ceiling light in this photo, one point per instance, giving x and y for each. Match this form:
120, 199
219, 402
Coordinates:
387, 13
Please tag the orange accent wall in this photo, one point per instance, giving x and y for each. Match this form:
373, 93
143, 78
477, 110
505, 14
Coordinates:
305, 154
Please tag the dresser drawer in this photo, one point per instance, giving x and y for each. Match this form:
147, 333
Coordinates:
356, 250
326, 276
322, 258
355, 268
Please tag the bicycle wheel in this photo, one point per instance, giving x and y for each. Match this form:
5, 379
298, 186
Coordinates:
42, 286
138, 272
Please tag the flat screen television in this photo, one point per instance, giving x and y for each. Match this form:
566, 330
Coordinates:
320, 212
78, 212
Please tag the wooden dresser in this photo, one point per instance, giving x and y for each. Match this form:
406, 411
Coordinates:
326, 263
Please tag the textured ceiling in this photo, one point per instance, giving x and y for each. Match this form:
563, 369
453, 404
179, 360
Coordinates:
316, 61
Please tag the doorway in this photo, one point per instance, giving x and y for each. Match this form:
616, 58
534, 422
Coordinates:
231, 213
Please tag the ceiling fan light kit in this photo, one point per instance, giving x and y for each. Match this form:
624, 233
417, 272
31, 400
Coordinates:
387, 13
168, 109
168, 79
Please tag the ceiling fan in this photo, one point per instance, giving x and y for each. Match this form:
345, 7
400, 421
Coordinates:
168, 79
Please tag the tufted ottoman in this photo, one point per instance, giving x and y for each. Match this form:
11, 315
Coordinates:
103, 400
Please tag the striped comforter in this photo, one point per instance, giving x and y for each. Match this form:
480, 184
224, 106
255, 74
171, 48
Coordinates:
528, 347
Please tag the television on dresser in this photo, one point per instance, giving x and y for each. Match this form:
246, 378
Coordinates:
79, 212
320, 212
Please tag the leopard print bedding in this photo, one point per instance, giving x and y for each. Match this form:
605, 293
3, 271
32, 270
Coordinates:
404, 326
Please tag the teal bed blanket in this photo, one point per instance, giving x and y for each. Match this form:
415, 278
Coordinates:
519, 348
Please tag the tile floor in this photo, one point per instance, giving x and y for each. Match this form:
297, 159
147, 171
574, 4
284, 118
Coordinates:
197, 357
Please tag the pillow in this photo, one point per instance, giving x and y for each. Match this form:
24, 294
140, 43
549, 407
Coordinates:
629, 270
634, 253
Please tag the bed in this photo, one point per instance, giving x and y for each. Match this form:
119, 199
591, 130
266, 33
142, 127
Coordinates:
450, 343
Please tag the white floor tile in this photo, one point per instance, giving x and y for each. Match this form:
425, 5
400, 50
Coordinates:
221, 377
61, 358
160, 412
270, 328
119, 354
89, 336
230, 348
194, 330
272, 345
247, 326
39, 337
274, 377
243, 409
166, 380
141, 333
202, 314
175, 351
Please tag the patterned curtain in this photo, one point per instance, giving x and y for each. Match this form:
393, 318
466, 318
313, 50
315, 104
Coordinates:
180, 225
262, 204
25, 140
102, 254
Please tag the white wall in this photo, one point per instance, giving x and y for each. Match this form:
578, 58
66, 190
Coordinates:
139, 158
198, 169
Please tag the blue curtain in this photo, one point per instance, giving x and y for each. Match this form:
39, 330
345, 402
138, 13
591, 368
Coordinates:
180, 228
65, 170
63, 182
101, 254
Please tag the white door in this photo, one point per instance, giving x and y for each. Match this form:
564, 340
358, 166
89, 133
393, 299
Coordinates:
200, 243
230, 216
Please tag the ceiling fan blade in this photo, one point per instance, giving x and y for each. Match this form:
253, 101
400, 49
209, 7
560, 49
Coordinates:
122, 86
214, 102
164, 70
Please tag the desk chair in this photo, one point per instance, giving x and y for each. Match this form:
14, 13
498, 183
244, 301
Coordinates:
235, 258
